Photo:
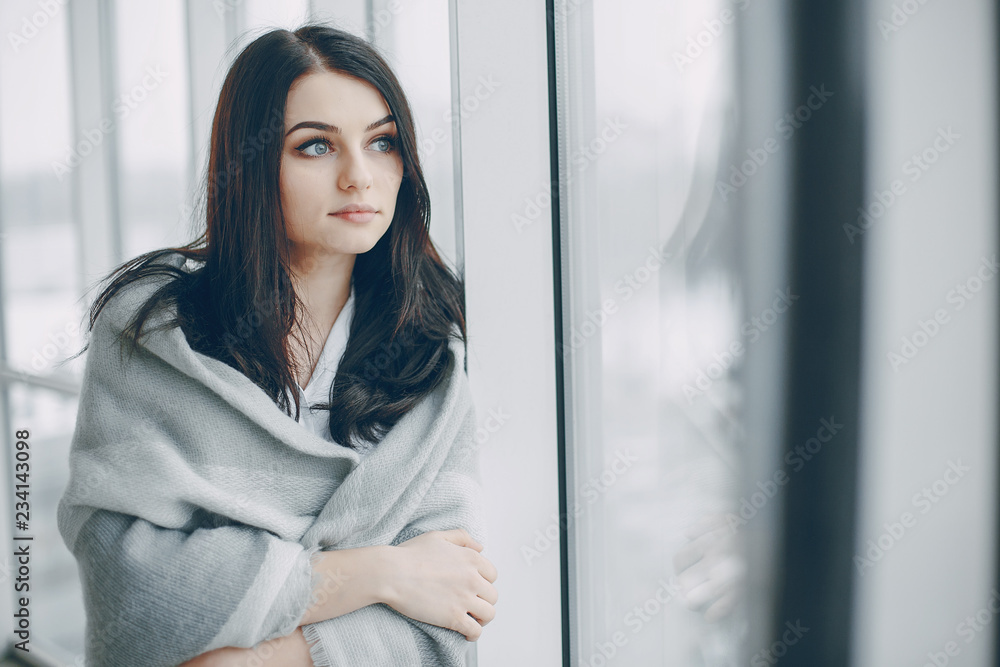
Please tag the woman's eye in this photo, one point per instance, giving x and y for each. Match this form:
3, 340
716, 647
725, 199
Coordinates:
386, 143
316, 149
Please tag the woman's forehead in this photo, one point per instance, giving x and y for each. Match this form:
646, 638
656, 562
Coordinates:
336, 99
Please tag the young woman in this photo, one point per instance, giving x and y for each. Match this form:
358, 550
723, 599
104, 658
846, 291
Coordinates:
317, 280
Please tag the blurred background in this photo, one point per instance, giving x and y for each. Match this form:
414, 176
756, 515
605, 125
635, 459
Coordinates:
730, 288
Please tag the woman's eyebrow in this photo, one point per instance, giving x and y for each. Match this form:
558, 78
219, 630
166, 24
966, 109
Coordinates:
316, 125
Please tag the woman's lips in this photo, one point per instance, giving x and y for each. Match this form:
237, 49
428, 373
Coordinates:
356, 212
356, 216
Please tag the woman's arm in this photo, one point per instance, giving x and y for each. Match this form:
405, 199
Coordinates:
157, 596
437, 577
346, 580
343, 581
288, 651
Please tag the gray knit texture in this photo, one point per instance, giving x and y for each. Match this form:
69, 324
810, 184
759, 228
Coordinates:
195, 504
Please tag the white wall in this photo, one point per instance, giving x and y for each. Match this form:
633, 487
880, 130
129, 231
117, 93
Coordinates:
504, 157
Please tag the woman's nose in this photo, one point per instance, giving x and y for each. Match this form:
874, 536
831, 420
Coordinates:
354, 172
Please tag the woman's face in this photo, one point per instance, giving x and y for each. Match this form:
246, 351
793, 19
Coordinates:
340, 149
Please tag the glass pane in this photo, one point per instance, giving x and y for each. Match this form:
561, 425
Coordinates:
152, 116
414, 38
349, 15
40, 277
652, 333
38, 255
261, 15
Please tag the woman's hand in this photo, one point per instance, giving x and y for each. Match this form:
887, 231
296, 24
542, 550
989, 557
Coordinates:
289, 651
441, 578
710, 569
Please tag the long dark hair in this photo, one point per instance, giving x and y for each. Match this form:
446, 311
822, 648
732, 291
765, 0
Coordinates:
239, 305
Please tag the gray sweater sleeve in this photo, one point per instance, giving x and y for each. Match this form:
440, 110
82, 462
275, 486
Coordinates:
138, 579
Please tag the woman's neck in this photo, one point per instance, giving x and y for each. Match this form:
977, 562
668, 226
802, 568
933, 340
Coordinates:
323, 285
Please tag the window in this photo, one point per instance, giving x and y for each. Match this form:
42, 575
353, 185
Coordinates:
651, 336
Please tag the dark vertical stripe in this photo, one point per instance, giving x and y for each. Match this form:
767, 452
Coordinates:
109, 81
456, 149
824, 353
370, 21
191, 177
557, 296
996, 162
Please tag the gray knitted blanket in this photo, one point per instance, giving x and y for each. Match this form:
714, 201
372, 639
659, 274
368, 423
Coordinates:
195, 504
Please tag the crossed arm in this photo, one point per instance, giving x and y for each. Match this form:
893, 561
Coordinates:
438, 577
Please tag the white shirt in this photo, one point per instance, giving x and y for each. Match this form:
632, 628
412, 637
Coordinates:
318, 388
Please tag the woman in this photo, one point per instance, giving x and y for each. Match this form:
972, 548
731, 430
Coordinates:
315, 277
